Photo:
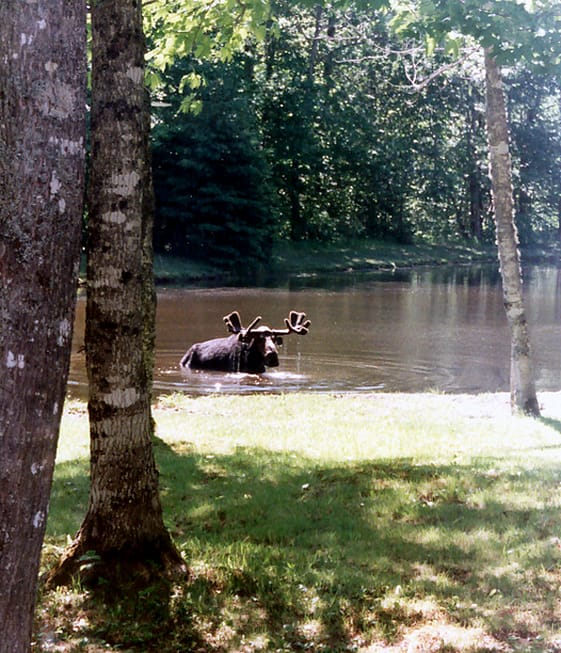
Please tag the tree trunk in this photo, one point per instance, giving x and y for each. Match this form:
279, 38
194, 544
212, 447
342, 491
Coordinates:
559, 219
315, 45
522, 383
42, 161
124, 524
149, 297
475, 192
298, 226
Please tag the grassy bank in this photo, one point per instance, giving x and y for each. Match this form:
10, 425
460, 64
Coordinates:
308, 258
356, 255
294, 258
404, 523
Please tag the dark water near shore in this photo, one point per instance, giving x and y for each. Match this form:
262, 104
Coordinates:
406, 331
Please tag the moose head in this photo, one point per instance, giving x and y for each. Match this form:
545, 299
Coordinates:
251, 349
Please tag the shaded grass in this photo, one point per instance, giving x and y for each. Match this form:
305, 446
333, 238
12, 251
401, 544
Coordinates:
335, 523
364, 254
307, 257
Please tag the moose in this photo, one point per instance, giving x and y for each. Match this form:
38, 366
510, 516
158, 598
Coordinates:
250, 350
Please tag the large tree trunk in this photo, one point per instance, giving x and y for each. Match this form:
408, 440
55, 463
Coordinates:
522, 382
42, 160
124, 524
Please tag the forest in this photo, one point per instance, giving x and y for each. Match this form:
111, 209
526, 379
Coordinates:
332, 126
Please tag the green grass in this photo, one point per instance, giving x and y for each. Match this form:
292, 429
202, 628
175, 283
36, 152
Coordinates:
173, 269
363, 254
324, 523
310, 258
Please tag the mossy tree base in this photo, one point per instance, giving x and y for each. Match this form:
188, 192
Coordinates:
119, 570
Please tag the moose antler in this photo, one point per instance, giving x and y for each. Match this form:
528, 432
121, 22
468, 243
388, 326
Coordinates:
252, 325
234, 323
295, 323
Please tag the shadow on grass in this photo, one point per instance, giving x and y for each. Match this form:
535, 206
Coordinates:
552, 423
310, 555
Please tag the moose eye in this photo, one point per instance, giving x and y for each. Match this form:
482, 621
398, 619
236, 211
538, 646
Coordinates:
278, 340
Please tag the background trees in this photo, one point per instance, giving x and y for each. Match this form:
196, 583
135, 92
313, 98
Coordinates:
350, 136
42, 161
534, 101
509, 34
214, 197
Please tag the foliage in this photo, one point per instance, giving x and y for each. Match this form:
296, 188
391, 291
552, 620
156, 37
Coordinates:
213, 197
443, 520
325, 116
515, 31
535, 116
206, 30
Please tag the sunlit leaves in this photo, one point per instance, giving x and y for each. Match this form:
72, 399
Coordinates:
207, 29
516, 30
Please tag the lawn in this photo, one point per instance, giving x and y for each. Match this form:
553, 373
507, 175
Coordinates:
384, 522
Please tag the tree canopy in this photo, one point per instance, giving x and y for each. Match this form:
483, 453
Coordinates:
335, 113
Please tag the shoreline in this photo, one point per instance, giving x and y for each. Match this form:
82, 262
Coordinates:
479, 405
309, 258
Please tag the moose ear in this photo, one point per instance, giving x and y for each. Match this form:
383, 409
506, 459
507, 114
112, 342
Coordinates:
233, 322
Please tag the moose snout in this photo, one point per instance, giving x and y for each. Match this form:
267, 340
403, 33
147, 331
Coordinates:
272, 359
271, 353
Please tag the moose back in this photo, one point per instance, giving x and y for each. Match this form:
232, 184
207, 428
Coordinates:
250, 350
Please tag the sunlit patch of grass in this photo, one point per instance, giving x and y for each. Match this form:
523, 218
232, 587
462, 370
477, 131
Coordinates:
335, 523
74, 443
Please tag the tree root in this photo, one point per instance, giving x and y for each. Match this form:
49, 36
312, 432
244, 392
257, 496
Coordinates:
136, 567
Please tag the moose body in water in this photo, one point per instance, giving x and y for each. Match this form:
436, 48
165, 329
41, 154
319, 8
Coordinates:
249, 350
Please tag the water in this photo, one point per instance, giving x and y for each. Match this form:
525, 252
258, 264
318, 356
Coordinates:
442, 329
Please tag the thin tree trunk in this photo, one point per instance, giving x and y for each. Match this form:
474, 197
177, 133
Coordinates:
475, 193
522, 382
149, 297
124, 523
315, 44
42, 162
559, 219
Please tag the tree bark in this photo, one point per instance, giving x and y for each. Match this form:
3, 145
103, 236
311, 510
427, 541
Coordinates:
123, 524
475, 191
42, 162
315, 45
522, 382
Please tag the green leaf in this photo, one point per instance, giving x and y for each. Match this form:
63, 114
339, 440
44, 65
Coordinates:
191, 80
452, 46
430, 45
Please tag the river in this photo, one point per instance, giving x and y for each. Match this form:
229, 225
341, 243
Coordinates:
426, 329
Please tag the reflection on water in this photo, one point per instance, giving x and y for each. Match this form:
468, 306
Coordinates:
416, 330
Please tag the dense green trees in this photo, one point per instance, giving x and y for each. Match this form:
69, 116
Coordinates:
337, 134
536, 137
213, 192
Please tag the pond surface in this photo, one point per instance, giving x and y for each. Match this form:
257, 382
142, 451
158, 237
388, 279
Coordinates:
406, 331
